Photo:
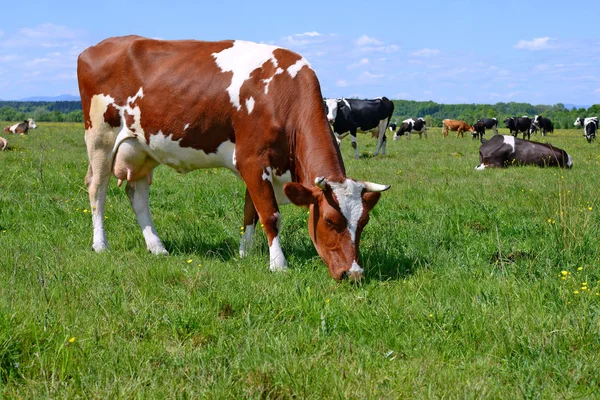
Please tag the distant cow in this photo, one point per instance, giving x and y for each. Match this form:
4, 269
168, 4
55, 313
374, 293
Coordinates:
505, 150
456, 125
478, 130
519, 124
490, 123
3, 142
22, 127
543, 124
348, 115
590, 127
412, 125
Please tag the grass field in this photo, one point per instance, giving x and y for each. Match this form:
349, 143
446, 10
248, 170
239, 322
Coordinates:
479, 284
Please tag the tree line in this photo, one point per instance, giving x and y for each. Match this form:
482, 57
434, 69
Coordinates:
434, 113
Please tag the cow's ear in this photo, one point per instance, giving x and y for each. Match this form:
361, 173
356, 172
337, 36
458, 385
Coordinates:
371, 199
299, 194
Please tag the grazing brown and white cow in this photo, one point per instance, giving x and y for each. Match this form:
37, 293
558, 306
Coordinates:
252, 108
3, 142
456, 125
505, 150
21, 128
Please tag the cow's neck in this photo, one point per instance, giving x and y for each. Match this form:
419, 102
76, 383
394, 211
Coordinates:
317, 155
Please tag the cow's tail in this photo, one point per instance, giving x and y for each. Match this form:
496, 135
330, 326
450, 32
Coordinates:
3, 143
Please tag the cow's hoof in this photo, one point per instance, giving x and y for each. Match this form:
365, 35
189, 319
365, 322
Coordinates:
100, 247
158, 250
278, 267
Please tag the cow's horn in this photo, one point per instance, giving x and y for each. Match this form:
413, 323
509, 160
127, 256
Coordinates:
375, 187
321, 182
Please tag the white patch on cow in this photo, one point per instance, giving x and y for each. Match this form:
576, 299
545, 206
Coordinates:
510, 140
247, 240
409, 120
267, 175
31, 124
250, 105
278, 182
186, 127
277, 259
356, 268
349, 197
480, 167
331, 109
241, 59
167, 151
297, 66
98, 106
347, 104
569, 161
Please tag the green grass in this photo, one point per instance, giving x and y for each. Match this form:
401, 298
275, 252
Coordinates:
463, 296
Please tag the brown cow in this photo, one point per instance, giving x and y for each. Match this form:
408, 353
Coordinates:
21, 128
456, 125
252, 108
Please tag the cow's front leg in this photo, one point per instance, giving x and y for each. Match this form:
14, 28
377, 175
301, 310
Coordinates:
250, 220
354, 146
260, 186
139, 197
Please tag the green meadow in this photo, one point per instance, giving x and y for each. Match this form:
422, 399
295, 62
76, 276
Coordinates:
479, 284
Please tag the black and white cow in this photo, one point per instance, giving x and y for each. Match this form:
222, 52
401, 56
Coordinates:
490, 123
348, 115
543, 124
590, 127
412, 125
519, 124
505, 150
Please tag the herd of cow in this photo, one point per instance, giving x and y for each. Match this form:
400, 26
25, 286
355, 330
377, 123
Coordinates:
258, 111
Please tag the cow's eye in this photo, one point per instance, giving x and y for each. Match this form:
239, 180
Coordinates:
328, 222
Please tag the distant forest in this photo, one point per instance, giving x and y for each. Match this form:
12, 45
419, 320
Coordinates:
434, 113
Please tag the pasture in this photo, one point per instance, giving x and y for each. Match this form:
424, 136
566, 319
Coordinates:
479, 284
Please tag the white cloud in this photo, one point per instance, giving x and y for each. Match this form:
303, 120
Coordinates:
310, 34
597, 90
8, 58
392, 48
426, 52
362, 62
535, 44
302, 39
342, 83
369, 75
365, 40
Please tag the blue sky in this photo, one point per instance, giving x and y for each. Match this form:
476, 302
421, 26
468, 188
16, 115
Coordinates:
540, 52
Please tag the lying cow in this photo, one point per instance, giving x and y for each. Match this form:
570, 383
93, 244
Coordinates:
456, 125
21, 128
252, 108
543, 124
590, 127
3, 142
519, 124
504, 150
348, 115
409, 126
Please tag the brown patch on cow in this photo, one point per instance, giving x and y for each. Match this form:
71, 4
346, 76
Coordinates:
286, 58
7, 129
112, 116
129, 120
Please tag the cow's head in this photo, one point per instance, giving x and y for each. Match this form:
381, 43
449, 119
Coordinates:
536, 119
331, 108
508, 122
339, 211
31, 123
578, 121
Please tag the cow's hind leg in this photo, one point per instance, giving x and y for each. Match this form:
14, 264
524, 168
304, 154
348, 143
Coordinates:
382, 128
134, 165
139, 197
99, 143
250, 220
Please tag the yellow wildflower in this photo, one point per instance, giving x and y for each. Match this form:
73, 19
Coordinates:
72, 340
580, 268
565, 273
189, 261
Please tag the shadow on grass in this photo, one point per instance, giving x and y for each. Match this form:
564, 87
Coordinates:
383, 266
224, 250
